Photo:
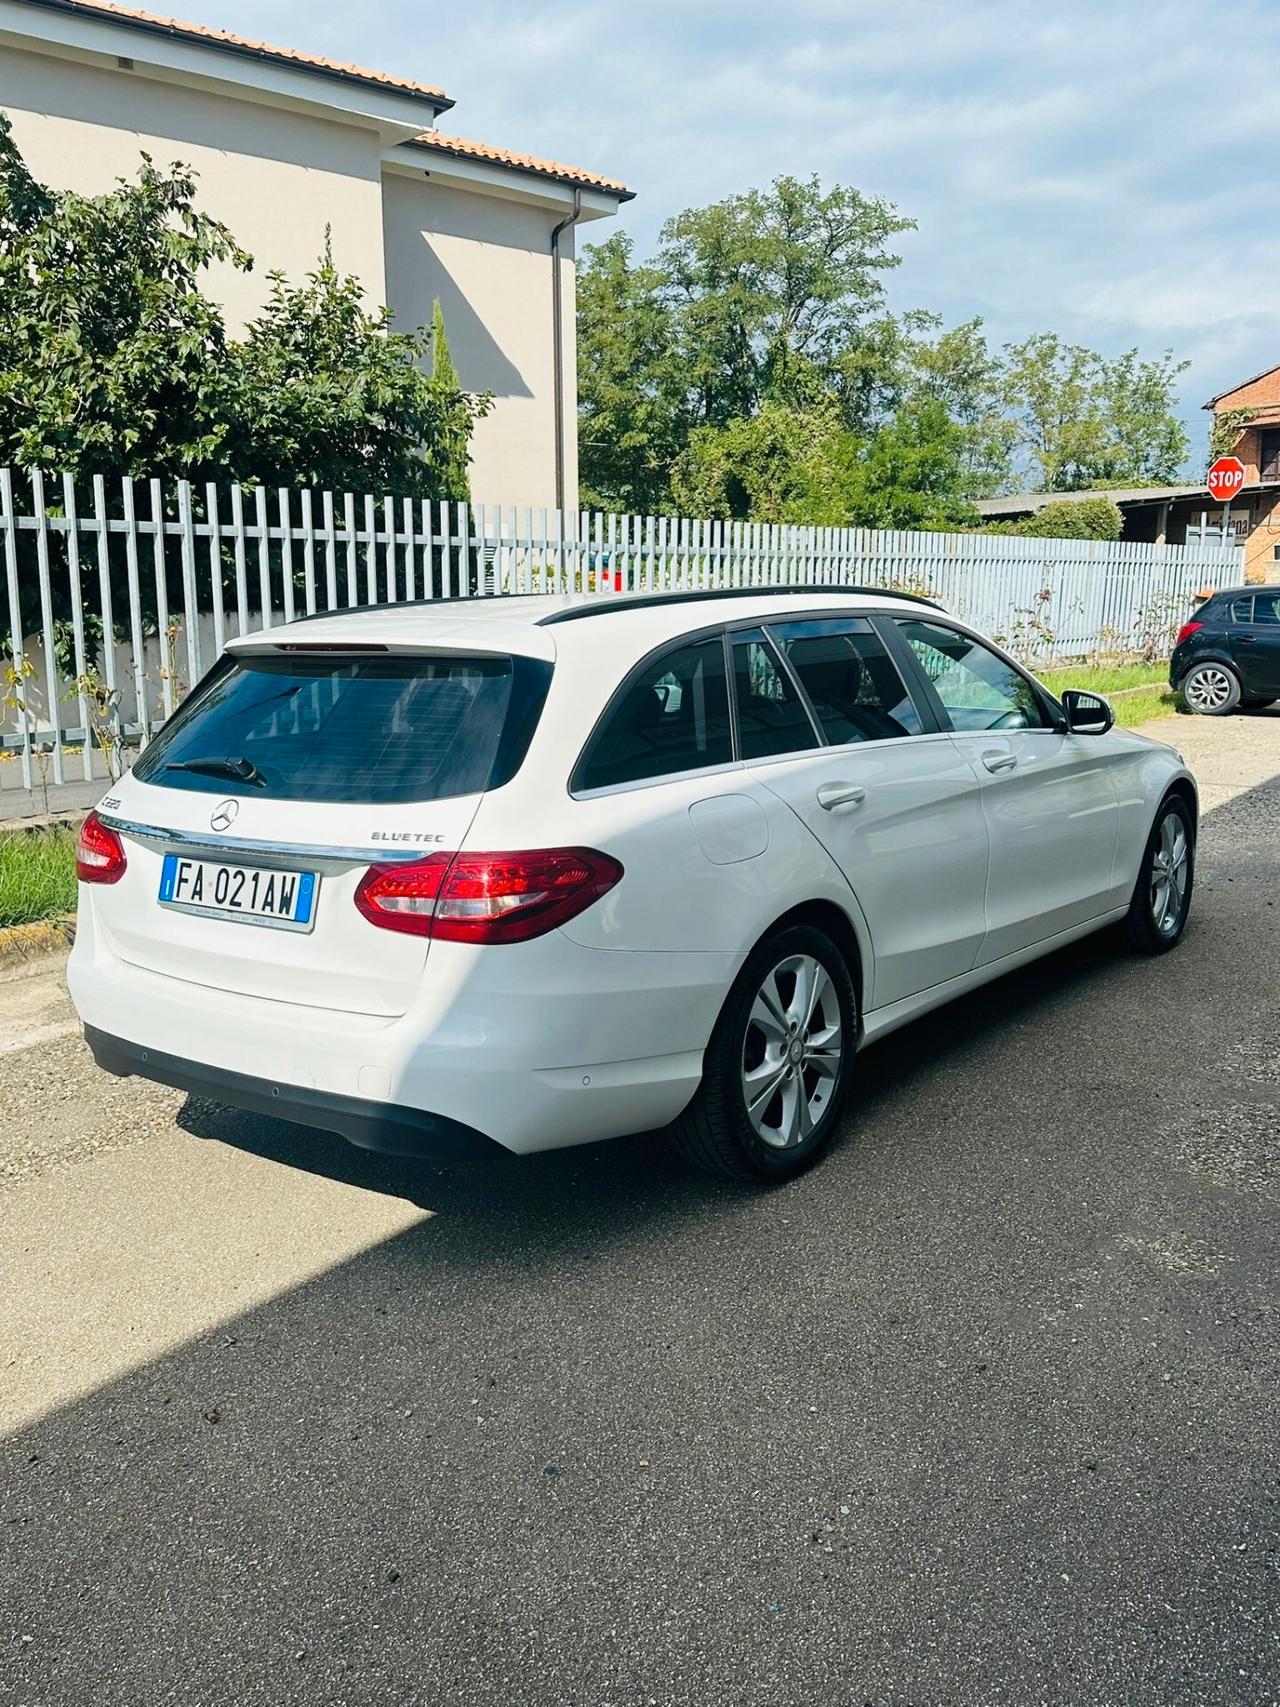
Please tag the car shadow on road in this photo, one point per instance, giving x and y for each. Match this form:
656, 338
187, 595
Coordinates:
585, 1196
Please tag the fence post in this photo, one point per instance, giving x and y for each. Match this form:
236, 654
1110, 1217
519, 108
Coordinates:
237, 546
77, 621
330, 552
16, 654
190, 609
52, 684
308, 552
140, 709
213, 521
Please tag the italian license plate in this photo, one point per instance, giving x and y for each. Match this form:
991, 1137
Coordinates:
254, 895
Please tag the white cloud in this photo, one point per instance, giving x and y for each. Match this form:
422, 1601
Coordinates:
1104, 170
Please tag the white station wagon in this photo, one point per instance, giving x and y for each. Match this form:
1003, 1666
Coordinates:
534, 871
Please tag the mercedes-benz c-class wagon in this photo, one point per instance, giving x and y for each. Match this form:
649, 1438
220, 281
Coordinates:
527, 872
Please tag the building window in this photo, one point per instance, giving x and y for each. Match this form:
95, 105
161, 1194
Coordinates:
1269, 454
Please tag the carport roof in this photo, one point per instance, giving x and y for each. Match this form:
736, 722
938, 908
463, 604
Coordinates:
1027, 503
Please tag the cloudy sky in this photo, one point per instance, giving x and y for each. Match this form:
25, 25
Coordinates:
1105, 172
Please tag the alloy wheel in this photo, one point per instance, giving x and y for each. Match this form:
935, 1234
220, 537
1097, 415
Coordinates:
1207, 689
792, 1051
1169, 873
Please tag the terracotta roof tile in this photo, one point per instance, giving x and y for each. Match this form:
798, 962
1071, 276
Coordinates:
245, 45
573, 175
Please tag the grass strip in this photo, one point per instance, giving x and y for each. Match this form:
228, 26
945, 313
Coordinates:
37, 874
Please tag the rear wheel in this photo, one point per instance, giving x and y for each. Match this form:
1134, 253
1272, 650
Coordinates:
778, 1063
1211, 689
1162, 894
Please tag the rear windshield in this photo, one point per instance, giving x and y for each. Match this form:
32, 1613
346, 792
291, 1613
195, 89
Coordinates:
351, 729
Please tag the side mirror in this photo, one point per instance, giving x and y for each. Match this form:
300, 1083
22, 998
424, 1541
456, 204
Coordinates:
1087, 713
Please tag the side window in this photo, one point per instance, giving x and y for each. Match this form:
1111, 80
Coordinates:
852, 683
1242, 610
1265, 607
978, 690
673, 717
771, 717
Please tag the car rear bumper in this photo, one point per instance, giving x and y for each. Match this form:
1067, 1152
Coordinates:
387, 1127
533, 1046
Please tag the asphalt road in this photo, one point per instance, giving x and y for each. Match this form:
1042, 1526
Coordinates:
983, 1410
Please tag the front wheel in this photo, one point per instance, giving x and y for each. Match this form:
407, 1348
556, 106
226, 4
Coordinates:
1162, 894
778, 1063
1211, 689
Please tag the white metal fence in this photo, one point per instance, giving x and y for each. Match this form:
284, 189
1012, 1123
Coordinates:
120, 593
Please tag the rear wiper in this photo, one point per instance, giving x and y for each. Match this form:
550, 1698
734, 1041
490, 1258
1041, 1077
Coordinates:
243, 770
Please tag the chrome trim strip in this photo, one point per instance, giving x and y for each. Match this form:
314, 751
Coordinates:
243, 845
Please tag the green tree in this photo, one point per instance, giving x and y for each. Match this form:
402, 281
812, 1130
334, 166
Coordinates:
632, 396
792, 463
1084, 421
324, 393
763, 278
958, 369
747, 300
450, 455
910, 474
770, 466
111, 359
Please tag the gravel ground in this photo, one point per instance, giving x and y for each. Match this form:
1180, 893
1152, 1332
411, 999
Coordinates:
981, 1411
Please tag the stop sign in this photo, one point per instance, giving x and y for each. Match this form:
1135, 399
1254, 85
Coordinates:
1225, 478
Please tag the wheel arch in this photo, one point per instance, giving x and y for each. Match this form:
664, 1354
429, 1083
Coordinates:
833, 920
1220, 656
1185, 789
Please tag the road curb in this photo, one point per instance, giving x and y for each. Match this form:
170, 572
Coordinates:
29, 946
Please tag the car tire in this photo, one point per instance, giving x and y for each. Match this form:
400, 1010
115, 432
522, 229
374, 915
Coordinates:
1162, 894
1211, 689
761, 1043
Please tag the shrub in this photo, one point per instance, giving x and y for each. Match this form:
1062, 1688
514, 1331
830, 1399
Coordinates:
1073, 518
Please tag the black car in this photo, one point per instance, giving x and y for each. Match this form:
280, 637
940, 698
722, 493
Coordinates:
1228, 655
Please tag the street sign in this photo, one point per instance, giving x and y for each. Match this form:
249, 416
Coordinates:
1225, 479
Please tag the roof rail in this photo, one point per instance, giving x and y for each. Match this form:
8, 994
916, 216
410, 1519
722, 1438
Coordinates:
411, 604
603, 603
641, 601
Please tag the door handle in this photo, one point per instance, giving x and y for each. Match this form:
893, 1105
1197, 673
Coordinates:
997, 761
1246, 639
840, 796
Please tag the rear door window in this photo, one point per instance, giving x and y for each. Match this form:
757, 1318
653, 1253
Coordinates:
672, 716
771, 715
852, 683
351, 729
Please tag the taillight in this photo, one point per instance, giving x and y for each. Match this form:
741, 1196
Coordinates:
99, 853
486, 897
1186, 631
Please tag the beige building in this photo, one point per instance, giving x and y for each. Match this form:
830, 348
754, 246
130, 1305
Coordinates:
287, 143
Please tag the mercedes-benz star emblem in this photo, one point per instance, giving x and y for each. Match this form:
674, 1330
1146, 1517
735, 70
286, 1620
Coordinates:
224, 816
